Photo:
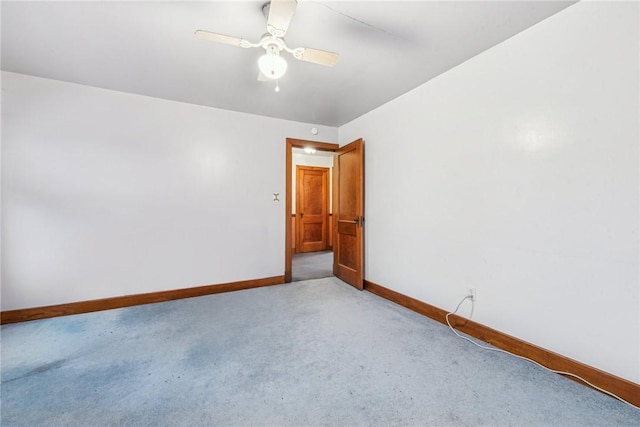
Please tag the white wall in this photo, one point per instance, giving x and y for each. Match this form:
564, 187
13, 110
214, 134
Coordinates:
516, 173
318, 159
107, 194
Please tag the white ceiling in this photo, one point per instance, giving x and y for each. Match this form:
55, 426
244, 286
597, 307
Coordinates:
386, 49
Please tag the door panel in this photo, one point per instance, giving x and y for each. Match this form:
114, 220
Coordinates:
348, 209
312, 198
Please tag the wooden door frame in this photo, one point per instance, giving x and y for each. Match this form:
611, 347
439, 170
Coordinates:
290, 144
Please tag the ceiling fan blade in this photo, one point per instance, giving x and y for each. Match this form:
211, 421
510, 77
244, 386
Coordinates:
219, 38
321, 57
280, 15
262, 77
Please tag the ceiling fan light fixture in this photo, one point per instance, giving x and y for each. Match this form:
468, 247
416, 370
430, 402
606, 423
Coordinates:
272, 65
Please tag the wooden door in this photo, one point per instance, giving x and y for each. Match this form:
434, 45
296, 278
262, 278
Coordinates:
348, 213
312, 208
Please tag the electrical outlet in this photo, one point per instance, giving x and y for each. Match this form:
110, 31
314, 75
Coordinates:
472, 294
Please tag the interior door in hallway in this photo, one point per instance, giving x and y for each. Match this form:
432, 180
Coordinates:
312, 208
348, 213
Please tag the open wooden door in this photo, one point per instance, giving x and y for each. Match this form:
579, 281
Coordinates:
348, 213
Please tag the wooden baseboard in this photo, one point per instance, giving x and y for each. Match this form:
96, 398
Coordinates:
22, 315
627, 390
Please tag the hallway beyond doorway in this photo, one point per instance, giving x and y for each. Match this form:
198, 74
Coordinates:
311, 265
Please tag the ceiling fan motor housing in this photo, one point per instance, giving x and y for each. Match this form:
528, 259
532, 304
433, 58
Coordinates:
270, 42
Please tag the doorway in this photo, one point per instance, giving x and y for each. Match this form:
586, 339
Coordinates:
313, 254
312, 258
347, 206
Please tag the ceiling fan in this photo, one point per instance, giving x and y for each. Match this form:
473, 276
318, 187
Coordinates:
271, 65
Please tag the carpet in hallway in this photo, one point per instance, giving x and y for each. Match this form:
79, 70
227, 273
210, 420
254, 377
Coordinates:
311, 265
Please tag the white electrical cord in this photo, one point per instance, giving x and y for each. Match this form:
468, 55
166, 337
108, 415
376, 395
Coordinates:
525, 358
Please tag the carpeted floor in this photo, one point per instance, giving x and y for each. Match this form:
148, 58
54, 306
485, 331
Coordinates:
317, 352
311, 265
